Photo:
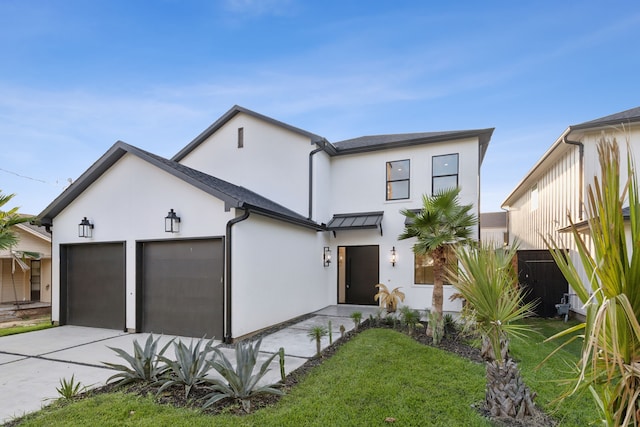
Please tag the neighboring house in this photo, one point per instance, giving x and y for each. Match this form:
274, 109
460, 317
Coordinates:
557, 186
493, 228
31, 278
274, 222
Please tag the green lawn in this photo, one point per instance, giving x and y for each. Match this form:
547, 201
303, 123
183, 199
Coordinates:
380, 373
44, 324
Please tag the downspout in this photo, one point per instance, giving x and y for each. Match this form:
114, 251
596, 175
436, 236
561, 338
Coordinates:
580, 172
317, 150
227, 291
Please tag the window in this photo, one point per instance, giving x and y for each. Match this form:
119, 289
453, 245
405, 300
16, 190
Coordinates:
445, 172
240, 137
534, 197
398, 180
423, 267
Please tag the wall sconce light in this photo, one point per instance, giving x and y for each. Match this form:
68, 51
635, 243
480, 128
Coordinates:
85, 228
393, 256
172, 222
326, 256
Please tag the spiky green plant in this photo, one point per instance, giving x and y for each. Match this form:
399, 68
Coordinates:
241, 383
356, 316
495, 303
144, 364
69, 389
410, 318
330, 328
190, 367
316, 333
610, 256
281, 359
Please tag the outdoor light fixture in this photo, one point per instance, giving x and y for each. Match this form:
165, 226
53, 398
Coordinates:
172, 222
85, 228
393, 256
326, 256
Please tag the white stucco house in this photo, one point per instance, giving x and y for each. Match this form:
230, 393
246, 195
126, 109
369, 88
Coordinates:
556, 185
270, 222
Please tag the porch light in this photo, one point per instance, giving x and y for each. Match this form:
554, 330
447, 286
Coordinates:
85, 228
326, 256
172, 222
393, 256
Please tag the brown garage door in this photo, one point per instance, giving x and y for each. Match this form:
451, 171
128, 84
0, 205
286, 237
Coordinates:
182, 287
93, 285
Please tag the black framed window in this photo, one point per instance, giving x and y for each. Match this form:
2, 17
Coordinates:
423, 267
444, 172
398, 178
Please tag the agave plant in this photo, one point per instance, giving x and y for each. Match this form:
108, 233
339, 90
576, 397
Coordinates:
487, 281
69, 389
190, 367
389, 299
240, 382
610, 257
144, 364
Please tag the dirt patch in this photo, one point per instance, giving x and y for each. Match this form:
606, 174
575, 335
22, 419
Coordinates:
29, 320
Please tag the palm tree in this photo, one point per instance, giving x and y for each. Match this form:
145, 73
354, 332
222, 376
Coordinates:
609, 366
494, 303
8, 237
441, 225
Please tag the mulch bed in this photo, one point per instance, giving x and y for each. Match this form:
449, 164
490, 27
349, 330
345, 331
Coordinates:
175, 395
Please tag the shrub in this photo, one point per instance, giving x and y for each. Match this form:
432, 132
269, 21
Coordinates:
410, 318
316, 333
356, 316
241, 382
144, 364
190, 367
389, 299
69, 389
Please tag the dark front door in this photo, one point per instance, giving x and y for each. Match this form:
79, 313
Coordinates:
362, 274
35, 280
93, 285
542, 280
182, 287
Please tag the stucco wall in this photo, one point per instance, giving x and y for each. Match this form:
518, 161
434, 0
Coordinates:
273, 162
278, 273
128, 203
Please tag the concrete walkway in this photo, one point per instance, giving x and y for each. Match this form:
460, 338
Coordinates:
32, 364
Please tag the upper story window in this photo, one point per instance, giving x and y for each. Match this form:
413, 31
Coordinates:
398, 180
534, 197
240, 137
445, 172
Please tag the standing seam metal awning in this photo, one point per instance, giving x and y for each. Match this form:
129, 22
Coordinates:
409, 220
356, 221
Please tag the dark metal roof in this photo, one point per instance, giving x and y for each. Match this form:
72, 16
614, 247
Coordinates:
315, 139
234, 196
408, 220
381, 142
627, 116
355, 221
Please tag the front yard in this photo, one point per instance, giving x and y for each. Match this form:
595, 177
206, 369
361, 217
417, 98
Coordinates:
379, 375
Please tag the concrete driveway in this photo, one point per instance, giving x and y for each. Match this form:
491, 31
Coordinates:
32, 364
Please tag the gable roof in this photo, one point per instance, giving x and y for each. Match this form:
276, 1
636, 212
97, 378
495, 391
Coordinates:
234, 196
381, 142
624, 117
236, 109
628, 116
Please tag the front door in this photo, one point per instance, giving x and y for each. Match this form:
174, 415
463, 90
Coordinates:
360, 271
35, 280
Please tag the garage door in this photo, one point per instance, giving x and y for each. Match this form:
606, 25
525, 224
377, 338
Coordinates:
182, 287
93, 285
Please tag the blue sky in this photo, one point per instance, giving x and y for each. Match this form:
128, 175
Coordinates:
76, 76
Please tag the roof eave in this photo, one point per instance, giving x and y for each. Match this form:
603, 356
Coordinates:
236, 109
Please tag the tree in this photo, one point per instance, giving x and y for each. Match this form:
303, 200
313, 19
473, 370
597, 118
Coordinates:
9, 238
441, 225
494, 305
611, 259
